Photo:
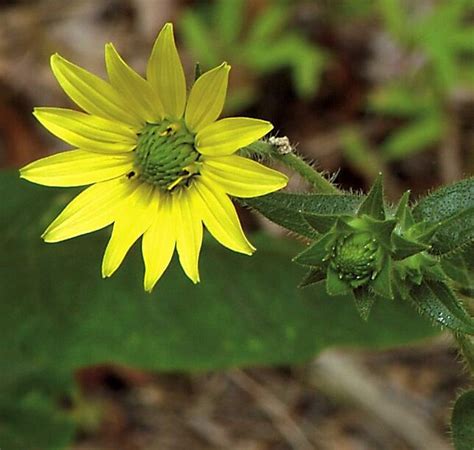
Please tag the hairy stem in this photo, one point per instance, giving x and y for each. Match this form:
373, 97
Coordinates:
466, 346
294, 162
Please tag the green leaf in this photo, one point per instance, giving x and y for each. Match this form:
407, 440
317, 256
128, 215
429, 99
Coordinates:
33, 421
364, 301
413, 138
290, 210
452, 207
198, 39
267, 24
462, 422
460, 268
435, 300
397, 100
228, 19
373, 205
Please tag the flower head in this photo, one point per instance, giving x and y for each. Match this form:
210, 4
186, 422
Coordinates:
159, 163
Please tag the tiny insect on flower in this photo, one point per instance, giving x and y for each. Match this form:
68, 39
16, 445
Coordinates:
160, 165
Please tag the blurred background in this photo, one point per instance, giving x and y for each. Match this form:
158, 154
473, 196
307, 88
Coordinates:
359, 87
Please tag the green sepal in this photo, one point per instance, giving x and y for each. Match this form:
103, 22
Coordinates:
401, 287
462, 422
314, 275
322, 223
424, 232
382, 283
316, 253
373, 204
334, 285
342, 225
197, 70
435, 300
381, 229
404, 248
364, 301
403, 212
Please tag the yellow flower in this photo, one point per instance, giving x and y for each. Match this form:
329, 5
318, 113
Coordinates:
160, 166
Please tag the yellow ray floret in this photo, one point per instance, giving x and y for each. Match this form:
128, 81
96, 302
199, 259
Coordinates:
160, 166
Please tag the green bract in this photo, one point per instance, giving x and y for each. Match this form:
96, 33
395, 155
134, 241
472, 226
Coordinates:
381, 252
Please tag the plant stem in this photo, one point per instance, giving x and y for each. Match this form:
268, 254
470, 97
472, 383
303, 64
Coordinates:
294, 162
467, 349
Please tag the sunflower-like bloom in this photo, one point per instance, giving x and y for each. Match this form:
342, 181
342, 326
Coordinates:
160, 165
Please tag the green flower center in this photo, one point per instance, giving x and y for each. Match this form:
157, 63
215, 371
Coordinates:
355, 258
165, 155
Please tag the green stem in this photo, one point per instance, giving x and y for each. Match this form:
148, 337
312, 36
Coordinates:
294, 162
466, 346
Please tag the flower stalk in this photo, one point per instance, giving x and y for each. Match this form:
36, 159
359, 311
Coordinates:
279, 152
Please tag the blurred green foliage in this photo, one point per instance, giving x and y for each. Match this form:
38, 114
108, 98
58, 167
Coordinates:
218, 32
441, 40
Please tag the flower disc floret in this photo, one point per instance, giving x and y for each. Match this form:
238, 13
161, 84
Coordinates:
166, 156
354, 257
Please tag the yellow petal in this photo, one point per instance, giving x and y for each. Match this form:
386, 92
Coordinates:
226, 136
188, 232
133, 218
88, 132
207, 98
77, 168
91, 93
93, 209
137, 91
220, 217
158, 243
166, 75
242, 177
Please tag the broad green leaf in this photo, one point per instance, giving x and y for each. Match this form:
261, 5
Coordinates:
288, 210
453, 207
462, 422
435, 300
373, 204
33, 421
57, 314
